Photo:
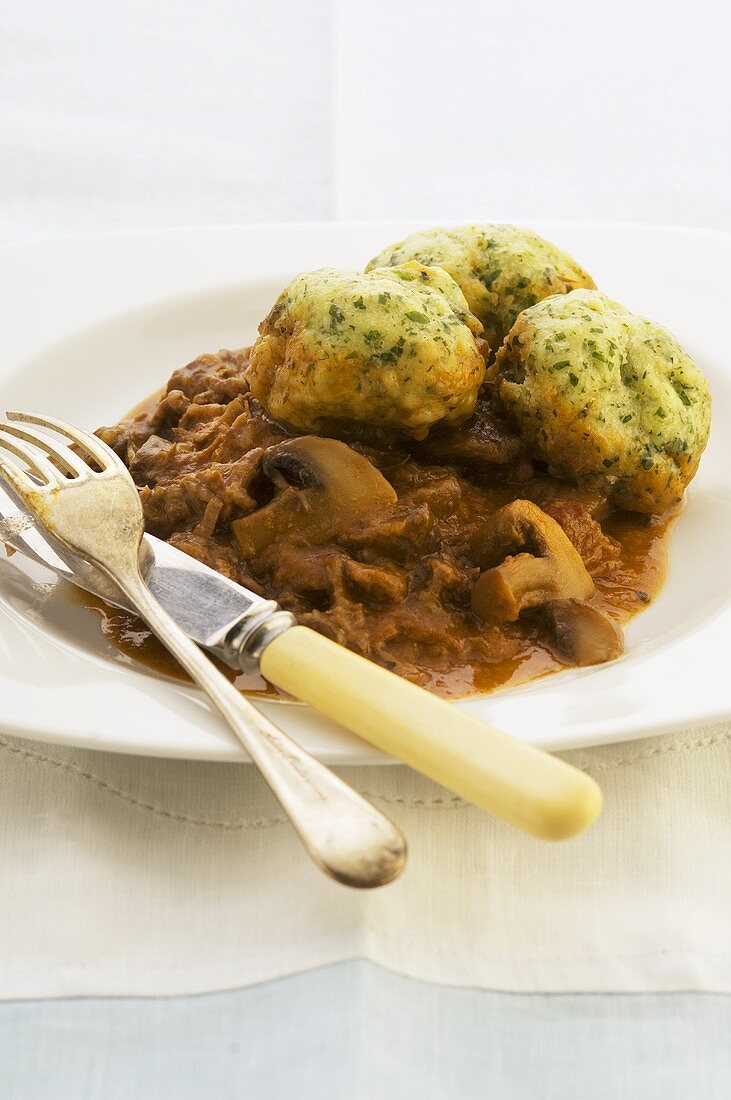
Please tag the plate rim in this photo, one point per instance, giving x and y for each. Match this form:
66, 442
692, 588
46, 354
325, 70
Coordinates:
352, 752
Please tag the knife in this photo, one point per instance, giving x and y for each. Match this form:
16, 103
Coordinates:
215, 612
521, 784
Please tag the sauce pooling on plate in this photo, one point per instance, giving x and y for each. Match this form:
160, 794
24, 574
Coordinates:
394, 581
462, 463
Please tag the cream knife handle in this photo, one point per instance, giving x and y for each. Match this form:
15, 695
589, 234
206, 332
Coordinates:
522, 785
347, 837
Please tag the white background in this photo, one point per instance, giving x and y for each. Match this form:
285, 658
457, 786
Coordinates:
164, 113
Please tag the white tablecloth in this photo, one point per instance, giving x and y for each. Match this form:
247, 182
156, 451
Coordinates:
131, 876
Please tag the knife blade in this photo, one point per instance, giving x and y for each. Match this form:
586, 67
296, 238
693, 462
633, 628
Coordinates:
215, 612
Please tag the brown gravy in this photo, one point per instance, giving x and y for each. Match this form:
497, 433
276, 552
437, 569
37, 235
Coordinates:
644, 556
398, 592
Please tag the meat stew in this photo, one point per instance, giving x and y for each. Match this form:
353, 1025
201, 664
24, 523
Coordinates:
457, 560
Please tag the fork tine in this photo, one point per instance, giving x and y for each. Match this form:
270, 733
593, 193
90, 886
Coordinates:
104, 455
70, 463
18, 480
38, 464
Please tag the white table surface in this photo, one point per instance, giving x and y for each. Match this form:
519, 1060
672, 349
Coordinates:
354, 1031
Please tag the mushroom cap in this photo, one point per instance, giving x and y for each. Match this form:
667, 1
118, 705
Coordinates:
606, 398
395, 348
528, 560
582, 634
501, 269
324, 488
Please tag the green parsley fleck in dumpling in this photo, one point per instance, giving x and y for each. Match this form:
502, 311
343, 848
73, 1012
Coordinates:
606, 397
501, 269
397, 348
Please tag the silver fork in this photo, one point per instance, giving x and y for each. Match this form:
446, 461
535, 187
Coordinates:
95, 515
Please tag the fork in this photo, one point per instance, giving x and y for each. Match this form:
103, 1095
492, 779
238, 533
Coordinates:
95, 515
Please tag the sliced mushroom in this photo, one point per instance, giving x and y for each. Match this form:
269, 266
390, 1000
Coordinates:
582, 634
325, 488
528, 560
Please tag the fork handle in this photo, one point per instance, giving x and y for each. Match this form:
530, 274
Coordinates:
523, 785
344, 834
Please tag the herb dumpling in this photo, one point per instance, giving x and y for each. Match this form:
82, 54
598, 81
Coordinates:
397, 348
606, 397
501, 269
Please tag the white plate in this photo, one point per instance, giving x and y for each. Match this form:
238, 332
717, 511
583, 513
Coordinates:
92, 325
